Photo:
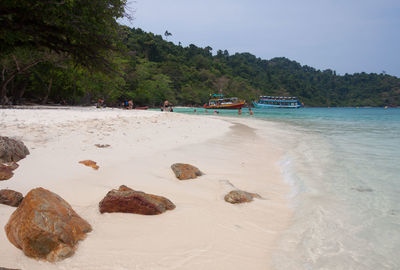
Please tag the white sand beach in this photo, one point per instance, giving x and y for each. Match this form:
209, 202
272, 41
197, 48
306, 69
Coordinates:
203, 232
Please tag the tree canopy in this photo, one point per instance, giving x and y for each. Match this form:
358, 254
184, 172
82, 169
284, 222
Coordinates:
64, 58
85, 30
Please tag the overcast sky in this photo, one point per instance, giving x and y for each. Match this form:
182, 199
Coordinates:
347, 36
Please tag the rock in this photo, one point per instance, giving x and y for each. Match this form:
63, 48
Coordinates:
102, 145
127, 200
90, 163
10, 197
240, 196
12, 150
185, 171
45, 226
12, 165
5, 173
3, 268
6, 170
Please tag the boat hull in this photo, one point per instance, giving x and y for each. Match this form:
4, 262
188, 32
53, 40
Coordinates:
232, 106
271, 106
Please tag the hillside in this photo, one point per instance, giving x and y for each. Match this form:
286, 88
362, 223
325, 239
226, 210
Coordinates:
150, 70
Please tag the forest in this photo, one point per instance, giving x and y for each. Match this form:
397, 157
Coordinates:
75, 52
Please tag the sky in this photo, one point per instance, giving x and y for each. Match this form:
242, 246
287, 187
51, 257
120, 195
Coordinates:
347, 36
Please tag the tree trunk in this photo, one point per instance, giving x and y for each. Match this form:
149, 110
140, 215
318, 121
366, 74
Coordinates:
48, 91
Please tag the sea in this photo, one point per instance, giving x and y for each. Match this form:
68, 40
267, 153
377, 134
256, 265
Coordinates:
343, 165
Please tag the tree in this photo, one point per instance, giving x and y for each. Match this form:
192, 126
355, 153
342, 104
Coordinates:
167, 34
85, 29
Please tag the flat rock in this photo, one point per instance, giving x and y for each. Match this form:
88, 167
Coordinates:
240, 196
90, 163
102, 145
12, 150
10, 197
127, 200
185, 171
46, 227
3, 268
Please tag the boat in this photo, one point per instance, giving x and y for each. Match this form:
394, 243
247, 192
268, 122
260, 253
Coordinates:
266, 102
141, 108
221, 102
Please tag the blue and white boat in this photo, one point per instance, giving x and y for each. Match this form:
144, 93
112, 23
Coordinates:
267, 102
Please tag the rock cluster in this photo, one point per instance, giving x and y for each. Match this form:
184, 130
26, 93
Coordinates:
12, 150
240, 196
46, 227
127, 200
185, 171
10, 197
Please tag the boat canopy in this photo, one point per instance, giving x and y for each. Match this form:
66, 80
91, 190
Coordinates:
278, 98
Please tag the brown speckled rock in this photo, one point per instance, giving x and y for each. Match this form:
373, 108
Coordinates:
185, 171
127, 200
5, 173
240, 196
10, 197
12, 150
46, 227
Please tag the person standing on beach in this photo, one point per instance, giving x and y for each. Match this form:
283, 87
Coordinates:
166, 104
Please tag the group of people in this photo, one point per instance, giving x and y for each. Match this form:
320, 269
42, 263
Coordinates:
127, 104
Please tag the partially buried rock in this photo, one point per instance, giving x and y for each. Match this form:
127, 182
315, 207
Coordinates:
127, 200
10, 197
46, 227
12, 150
240, 196
90, 163
102, 145
185, 171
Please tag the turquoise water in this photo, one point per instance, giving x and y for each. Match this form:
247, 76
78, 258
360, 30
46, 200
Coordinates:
344, 168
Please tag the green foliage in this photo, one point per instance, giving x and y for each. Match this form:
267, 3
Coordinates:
152, 70
86, 29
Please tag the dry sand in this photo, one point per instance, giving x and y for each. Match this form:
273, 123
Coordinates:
203, 232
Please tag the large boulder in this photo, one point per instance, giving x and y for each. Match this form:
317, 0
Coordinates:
46, 227
12, 150
11, 197
240, 196
185, 171
127, 200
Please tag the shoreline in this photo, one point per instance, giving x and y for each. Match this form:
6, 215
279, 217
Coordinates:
202, 232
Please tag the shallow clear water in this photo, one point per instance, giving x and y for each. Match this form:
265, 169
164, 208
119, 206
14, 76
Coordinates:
344, 167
